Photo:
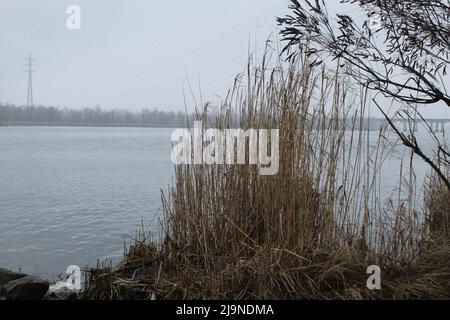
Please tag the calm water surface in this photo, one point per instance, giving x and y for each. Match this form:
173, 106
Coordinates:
73, 195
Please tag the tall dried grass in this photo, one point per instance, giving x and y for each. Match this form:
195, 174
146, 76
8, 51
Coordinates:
308, 232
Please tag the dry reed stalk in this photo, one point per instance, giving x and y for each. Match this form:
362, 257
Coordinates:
308, 232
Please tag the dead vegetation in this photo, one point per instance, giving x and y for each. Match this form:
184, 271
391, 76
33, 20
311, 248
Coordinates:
308, 232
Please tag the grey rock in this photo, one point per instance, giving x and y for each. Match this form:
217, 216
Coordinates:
61, 294
26, 288
7, 276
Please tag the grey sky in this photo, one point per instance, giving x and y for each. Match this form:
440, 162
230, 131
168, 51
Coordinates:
129, 54
132, 54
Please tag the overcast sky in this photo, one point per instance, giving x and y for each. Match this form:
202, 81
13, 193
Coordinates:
133, 54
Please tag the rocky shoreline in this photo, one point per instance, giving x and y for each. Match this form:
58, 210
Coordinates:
20, 286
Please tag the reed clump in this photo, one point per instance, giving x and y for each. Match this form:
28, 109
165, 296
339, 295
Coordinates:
308, 232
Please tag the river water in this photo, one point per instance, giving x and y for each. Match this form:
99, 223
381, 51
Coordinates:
71, 195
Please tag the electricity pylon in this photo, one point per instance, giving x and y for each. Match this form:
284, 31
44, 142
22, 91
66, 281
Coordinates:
29, 69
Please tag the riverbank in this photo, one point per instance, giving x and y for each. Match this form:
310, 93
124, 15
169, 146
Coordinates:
21, 286
315, 230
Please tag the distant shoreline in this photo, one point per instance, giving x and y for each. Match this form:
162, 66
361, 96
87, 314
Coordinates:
87, 125
374, 124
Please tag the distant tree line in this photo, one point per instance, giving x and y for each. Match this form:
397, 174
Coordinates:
41, 115
10, 113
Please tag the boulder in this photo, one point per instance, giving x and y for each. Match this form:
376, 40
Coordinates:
60, 292
61, 295
26, 288
7, 276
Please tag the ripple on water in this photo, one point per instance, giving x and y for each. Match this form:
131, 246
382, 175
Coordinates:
71, 195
